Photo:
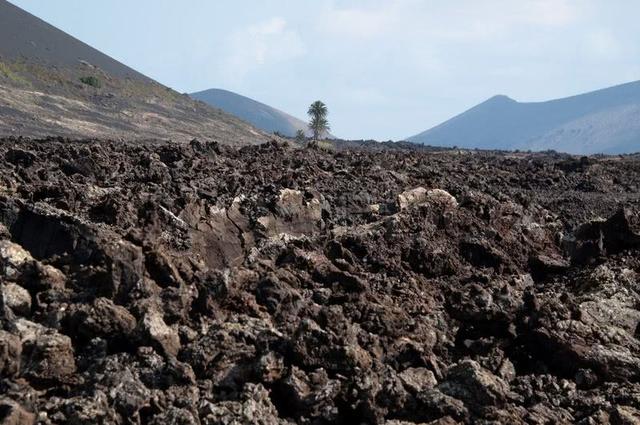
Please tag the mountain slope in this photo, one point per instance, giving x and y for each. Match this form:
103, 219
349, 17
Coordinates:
260, 115
603, 121
54, 84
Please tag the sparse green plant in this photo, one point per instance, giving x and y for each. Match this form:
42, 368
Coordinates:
142, 90
11, 72
300, 136
326, 145
4, 69
91, 81
319, 124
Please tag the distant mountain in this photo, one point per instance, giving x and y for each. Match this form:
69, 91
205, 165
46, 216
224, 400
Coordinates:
54, 84
603, 121
260, 115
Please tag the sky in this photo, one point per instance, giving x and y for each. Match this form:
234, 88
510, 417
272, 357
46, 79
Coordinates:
387, 69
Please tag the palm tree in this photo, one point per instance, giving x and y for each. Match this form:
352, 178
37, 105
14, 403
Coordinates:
319, 124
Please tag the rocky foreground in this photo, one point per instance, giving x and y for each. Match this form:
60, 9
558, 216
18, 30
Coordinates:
201, 284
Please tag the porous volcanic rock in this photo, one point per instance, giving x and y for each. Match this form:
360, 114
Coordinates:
162, 283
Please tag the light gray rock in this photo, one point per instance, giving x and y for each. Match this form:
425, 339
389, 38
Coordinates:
417, 379
12, 259
420, 195
17, 298
159, 334
475, 385
14, 414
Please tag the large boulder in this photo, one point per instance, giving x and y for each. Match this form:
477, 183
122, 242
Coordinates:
158, 334
16, 298
10, 353
476, 386
418, 379
47, 356
47, 232
420, 195
13, 260
604, 237
12, 413
293, 213
543, 266
103, 319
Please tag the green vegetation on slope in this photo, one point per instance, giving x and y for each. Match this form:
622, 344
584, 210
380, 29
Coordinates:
12, 71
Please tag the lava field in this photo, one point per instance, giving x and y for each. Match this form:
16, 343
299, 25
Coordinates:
159, 283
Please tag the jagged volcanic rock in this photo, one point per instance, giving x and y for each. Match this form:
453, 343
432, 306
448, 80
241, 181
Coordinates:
201, 284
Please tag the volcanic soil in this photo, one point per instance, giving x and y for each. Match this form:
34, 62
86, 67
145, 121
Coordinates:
203, 284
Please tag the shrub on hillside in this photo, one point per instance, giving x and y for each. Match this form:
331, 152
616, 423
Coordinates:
91, 81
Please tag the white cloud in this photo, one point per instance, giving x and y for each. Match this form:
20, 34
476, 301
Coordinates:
471, 19
358, 23
432, 37
551, 12
266, 43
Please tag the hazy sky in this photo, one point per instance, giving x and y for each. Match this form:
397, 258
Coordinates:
387, 69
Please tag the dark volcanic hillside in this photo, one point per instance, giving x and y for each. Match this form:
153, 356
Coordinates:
42, 92
603, 121
258, 114
25, 36
202, 284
